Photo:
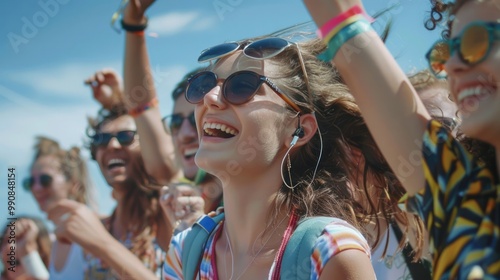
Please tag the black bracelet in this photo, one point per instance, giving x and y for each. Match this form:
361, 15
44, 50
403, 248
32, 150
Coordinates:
134, 28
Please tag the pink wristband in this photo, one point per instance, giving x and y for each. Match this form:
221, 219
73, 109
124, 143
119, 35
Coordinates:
332, 23
341, 26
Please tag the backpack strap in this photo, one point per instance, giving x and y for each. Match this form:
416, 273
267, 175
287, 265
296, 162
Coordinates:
296, 259
194, 244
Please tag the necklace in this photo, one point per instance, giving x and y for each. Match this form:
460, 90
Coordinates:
254, 256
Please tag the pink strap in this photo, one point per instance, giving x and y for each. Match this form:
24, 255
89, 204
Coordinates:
292, 224
332, 23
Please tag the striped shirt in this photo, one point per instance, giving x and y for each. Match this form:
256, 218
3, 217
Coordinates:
337, 237
460, 207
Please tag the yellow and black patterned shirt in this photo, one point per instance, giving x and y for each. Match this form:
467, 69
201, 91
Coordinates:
460, 205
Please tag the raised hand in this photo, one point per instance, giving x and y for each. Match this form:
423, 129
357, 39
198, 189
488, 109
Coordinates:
75, 222
182, 204
106, 88
26, 234
134, 11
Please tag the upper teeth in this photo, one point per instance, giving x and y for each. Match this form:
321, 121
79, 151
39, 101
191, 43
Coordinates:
190, 152
479, 90
219, 126
116, 160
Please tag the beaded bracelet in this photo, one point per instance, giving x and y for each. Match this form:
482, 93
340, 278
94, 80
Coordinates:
137, 111
347, 33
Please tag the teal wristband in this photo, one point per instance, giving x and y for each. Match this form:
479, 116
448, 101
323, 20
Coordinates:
344, 35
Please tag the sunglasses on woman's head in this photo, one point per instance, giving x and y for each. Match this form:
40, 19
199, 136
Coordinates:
102, 139
260, 50
172, 123
237, 89
44, 179
473, 45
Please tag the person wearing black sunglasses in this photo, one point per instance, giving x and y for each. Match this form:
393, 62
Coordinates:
262, 133
181, 125
57, 174
454, 191
136, 230
180, 128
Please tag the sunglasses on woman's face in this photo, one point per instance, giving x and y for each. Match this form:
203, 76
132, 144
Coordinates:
102, 139
260, 50
237, 89
44, 179
473, 45
172, 123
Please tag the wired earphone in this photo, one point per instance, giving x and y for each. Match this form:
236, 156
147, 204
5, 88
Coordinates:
299, 133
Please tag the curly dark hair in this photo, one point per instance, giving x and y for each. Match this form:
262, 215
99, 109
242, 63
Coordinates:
443, 12
483, 152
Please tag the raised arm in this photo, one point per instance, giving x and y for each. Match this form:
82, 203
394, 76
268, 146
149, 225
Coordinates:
392, 110
156, 145
75, 222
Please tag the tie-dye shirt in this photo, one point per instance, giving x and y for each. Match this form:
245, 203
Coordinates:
337, 237
460, 207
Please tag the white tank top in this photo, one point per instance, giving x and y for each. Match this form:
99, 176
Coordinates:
74, 267
393, 266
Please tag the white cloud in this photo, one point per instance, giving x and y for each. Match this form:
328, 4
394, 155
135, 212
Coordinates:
62, 80
173, 23
204, 23
65, 124
28, 117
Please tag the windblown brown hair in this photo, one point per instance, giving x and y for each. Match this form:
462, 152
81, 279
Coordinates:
142, 212
333, 190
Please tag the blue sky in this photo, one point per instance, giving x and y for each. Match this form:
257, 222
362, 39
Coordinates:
49, 47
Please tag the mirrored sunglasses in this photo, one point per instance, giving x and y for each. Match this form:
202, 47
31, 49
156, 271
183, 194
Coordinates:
473, 46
